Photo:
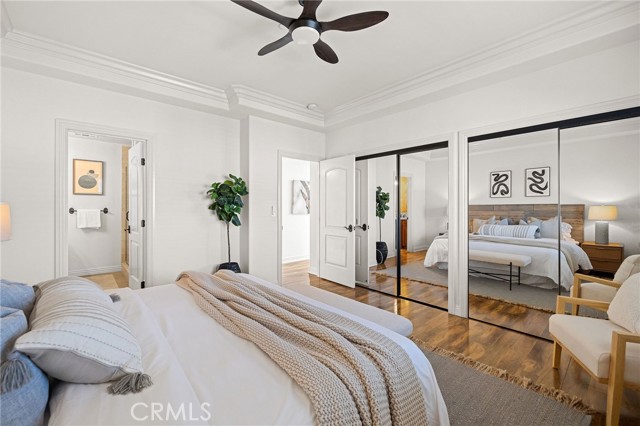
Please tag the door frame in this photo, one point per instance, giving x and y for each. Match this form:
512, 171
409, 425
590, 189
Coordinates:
305, 157
61, 234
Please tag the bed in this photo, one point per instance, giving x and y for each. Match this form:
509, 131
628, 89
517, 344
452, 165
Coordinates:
218, 377
544, 270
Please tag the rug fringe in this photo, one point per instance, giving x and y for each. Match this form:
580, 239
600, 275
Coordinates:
525, 383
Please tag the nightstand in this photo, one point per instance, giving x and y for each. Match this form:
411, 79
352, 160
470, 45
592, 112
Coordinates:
604, 257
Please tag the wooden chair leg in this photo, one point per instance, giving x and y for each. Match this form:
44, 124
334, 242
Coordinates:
575, 292
557, 352
616, 380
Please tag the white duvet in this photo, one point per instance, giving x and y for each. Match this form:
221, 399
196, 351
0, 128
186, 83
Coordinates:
542, 272
204, 374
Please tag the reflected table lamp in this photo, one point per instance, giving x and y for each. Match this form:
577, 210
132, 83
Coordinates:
5, 222
602, 214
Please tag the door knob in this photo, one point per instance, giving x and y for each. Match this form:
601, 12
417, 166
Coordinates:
364, 226
349, 228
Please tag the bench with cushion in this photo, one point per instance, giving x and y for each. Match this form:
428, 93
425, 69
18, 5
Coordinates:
500, 258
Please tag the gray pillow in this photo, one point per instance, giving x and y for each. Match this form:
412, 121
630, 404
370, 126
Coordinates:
24, 388
17, 295
13, 324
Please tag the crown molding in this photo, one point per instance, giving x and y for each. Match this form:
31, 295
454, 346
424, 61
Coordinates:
246, 100
5, 22
604, 25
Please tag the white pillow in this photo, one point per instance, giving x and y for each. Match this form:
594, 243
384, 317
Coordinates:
624, 309
477, 223
76, 336
630, 266
515, 231
536, 224
504, 221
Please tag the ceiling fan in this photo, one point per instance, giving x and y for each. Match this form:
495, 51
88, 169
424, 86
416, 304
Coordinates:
306, 29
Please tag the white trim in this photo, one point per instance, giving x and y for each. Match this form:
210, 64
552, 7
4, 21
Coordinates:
61, 241
6, 26
292, 259
420, 248
313, 269
96, 271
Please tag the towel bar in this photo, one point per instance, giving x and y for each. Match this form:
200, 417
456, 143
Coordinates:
72, 210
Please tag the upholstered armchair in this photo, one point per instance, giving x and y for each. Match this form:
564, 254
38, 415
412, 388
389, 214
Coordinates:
608, 349
594, 288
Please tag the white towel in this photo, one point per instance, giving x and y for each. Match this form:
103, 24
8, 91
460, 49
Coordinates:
88, 218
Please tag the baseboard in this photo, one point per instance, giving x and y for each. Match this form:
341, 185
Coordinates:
292, 259
96, 271
314, 271
419, 248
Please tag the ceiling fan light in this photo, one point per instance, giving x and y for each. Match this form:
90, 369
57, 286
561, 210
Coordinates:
305, 35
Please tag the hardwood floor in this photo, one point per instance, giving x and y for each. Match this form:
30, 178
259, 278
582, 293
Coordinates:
519, 354
110, 281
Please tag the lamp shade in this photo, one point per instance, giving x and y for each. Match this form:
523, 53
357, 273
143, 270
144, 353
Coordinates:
5, 222
605, 213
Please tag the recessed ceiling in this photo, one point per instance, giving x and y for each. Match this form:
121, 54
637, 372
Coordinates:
216, 42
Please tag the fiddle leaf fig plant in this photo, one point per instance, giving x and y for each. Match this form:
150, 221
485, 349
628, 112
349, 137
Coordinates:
227, 202
382, 206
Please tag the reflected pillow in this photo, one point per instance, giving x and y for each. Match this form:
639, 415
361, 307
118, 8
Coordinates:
536, 224
514, 231
477, 223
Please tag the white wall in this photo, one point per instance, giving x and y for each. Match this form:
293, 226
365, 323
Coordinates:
296, 228
572, 84
96, 251
191, 149
437, 193
262, 140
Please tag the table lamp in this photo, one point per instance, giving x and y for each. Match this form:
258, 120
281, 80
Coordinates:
602, 214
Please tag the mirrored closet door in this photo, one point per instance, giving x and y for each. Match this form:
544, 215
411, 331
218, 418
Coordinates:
515, 268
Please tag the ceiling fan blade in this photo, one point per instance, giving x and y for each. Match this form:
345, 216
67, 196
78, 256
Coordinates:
263, 11
276, 45
310, 7
325, 53
356, 22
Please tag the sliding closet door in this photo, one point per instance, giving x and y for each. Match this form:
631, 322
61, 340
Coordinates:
381, 215
423, 200
600, 174
515, 266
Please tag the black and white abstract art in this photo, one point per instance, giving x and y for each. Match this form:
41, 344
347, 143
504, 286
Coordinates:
301, 197
537, 182
500, 184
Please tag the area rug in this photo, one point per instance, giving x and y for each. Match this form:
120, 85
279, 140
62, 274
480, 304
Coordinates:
477, 394
532, 297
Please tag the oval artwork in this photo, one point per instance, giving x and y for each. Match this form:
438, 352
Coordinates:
88, 181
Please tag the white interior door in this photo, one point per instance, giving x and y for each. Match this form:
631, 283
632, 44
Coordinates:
136, 218
362, 222
337, 220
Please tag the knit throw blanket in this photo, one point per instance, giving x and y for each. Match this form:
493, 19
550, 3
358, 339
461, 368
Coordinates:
352, 375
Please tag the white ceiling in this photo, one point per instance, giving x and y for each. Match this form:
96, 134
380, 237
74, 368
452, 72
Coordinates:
215, 43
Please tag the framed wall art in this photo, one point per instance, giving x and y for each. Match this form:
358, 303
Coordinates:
300, 203
537, 182
500, 184
88, 176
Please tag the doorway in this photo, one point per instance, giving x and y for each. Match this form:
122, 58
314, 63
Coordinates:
102, 204
298, 219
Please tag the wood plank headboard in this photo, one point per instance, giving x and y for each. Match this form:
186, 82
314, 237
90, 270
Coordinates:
573, 214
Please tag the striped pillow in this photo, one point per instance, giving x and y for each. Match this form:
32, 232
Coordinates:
76, 336
515, 231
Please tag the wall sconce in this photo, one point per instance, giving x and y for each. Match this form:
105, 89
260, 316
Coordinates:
603, 214
5, 222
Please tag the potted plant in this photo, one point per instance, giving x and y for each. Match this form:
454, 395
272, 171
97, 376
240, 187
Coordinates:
227, 204
382, 201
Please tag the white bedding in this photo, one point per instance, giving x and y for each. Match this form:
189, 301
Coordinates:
194, 362
542, 272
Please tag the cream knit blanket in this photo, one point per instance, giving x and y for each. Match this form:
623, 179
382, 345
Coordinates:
352, 375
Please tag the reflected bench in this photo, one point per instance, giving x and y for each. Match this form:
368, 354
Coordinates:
500, 258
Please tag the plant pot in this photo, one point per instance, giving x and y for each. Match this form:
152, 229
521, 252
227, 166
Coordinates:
232, 266
382, 251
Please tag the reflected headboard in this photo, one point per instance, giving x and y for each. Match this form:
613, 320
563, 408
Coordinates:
573, 214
